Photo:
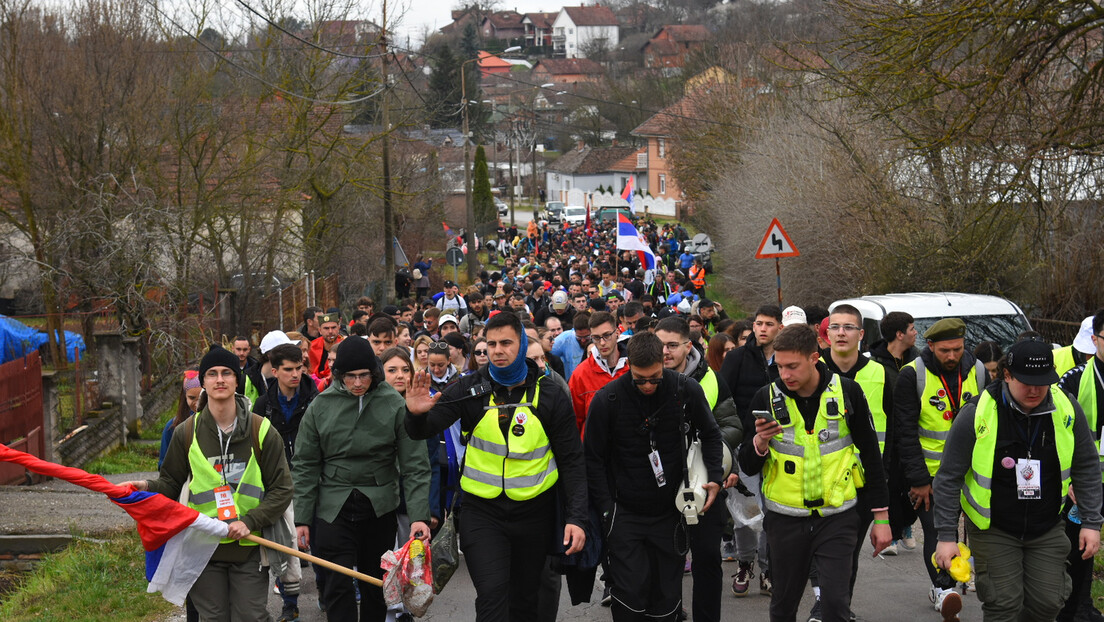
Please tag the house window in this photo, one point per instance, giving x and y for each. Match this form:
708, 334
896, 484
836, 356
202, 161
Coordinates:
567, 184
663, 147
624, 182
570, 31
642, 160
663, 185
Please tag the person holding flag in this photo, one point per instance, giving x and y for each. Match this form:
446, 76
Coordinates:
629, 239
232, 465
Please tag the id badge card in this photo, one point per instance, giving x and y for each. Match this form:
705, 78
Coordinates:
657, 468
1028, 479
224, 501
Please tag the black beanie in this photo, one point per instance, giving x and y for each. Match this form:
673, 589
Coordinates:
219, 356
355, 353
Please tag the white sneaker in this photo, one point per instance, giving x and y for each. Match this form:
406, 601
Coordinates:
946, 602
891, 549
908, 542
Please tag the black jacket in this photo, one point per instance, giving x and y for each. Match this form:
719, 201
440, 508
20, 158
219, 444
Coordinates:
268, 406
906, 414
555, 414
745, 371
621, 425
875, 493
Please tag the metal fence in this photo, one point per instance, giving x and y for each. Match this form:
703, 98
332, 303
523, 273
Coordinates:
21, 414
283, 310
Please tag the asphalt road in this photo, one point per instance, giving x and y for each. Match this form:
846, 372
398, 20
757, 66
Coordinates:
889, 588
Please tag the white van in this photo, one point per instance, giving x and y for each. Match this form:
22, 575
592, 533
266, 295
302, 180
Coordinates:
574, 214
988, 318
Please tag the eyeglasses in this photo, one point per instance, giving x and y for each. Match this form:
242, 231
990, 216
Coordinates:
355, 378
605, 337
215, 373
481, 352
643, 381
674, 345
850, 328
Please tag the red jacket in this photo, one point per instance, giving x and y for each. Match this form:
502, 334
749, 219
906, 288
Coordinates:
585, 381
318, 364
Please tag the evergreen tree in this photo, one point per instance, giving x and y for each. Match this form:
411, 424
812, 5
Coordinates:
443, 97
482, 201
469, 42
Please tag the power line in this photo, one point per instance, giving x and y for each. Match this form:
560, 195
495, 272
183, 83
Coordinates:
256, 77
305, 41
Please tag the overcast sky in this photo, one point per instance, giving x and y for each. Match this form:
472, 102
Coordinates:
433, 14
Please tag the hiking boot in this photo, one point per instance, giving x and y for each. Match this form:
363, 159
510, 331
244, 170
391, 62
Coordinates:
289, 613
947, 602
728, 550
742, 579
765, 585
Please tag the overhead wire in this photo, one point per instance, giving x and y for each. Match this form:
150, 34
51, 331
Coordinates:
257, 77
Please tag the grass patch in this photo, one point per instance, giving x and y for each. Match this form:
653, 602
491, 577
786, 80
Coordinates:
88, 581
153, 432
132, 458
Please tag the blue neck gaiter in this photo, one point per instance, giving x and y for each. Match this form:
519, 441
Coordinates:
515, 372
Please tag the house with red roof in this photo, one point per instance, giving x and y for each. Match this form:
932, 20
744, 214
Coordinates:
566, 71
673, 44
503, 25
538, 30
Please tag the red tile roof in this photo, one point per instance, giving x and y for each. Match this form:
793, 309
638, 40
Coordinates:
684, 33
542, 20
568, 66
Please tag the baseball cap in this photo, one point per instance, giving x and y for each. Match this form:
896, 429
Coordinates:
1031, 362
559, 300
275, 338
1083, 342
794, 315
450, 284
448, 318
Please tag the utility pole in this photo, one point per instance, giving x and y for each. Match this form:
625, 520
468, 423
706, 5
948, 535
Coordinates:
388, 211
469, 209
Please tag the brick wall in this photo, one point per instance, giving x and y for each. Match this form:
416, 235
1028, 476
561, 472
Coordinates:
102, 431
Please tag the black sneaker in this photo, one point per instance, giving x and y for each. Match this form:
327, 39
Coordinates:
289, 613
607, 598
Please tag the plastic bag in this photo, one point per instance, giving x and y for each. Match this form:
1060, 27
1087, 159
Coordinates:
745, 510
408, 577
446, 554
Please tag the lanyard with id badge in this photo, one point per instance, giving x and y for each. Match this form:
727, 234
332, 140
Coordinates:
1028, 470
224, 495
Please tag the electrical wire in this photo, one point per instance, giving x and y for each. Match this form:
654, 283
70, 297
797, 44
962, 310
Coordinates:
257, 77
305, 41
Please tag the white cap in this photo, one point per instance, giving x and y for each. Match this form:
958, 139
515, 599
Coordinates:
448, 317
275, 338
794, 315
683, 306
559, 300
1083, 342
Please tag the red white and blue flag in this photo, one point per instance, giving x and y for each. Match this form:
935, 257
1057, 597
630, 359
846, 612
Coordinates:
627, 194
629, 239
175, 554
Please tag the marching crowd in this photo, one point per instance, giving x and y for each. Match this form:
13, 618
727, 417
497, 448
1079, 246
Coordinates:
581, 416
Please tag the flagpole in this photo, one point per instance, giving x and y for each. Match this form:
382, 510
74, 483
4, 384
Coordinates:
314, 560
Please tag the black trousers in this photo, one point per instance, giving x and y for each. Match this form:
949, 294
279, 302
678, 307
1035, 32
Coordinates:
357, 537
798, 542
865, 517
1080, 572
705, 549
643, 554
506, 545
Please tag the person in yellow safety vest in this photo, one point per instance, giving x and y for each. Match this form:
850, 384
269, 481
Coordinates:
1084, 384
639, 431
684, 357
1075, 354
929, 393
523, 446
238, 474
1012, 457
845, 334
815, 446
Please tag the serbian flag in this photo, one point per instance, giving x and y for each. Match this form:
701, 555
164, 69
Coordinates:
627, 194
629, 239
175, 554
449, 233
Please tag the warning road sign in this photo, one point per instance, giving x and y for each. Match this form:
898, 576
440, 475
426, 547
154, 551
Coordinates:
776, 243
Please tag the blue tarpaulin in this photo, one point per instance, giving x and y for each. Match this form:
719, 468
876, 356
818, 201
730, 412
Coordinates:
18, 340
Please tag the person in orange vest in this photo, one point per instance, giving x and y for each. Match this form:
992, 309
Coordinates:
697, 276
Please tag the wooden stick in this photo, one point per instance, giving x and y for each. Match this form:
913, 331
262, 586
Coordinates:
314, 560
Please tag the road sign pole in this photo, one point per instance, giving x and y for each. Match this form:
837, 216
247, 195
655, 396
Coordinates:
778, 274
456, 279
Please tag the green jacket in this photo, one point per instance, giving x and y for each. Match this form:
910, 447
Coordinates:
346, 442
274, 470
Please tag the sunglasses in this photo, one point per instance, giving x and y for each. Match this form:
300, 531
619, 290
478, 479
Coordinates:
481, 353
643, 381
439, 346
